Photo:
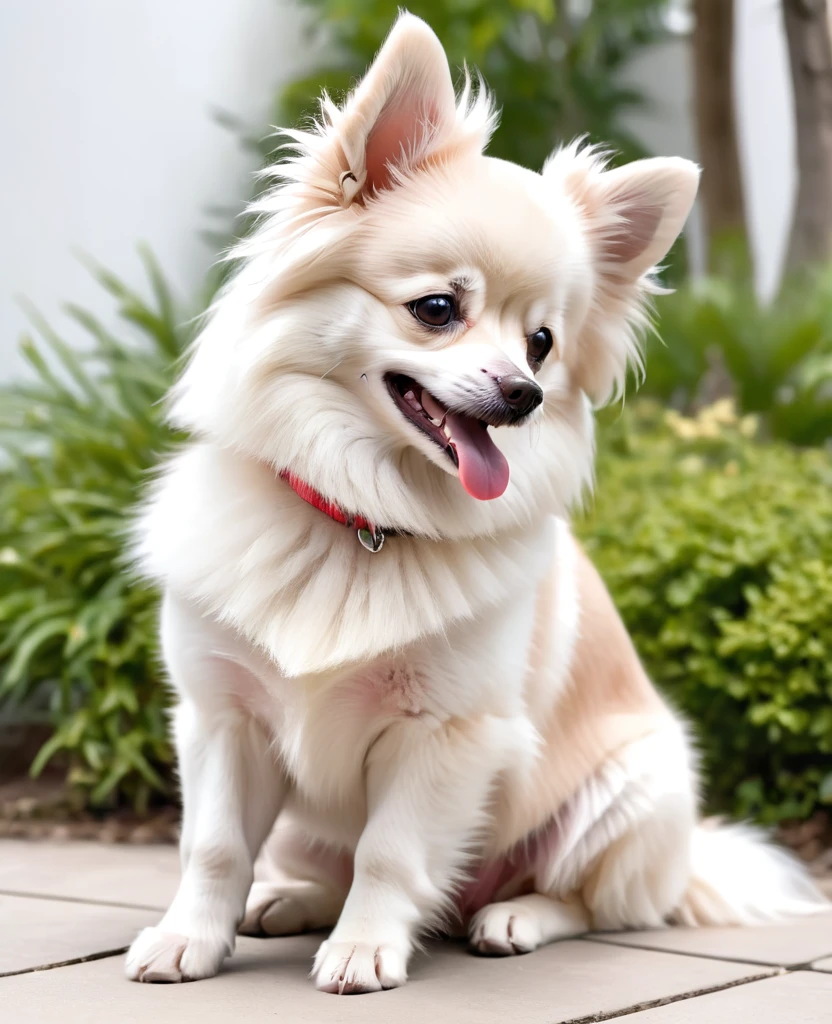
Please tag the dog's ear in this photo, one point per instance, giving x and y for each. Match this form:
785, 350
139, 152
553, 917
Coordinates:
401, 111
636, 212
631, 216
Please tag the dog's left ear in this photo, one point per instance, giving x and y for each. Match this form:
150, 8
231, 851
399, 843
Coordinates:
631, 216
402, 110
636, 213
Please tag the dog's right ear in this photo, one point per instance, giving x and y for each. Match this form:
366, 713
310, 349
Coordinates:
401, 112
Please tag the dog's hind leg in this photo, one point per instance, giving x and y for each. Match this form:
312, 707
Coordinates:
645, 866
526, 922
625, 844
618, 855
290, 909
301, 882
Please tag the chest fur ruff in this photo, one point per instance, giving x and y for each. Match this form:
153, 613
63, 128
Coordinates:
228, 536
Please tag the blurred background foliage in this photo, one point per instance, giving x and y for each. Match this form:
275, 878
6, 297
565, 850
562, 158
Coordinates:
712, 518
716, 338
77, 630
556, 67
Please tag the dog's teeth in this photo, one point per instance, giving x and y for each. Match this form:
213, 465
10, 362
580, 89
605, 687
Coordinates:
412, 401
434, 409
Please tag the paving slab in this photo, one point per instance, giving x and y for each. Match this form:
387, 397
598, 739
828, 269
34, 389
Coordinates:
142, 876
801, 998
267, 980
785, 944
38, 932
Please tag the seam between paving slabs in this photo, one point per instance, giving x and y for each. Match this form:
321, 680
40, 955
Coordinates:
773, 972
89, 902
65, 963
797, 966
652, 1004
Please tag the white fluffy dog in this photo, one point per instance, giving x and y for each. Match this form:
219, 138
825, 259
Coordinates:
374, 633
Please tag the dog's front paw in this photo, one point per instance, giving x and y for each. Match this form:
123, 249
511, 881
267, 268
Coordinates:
503, 929
351, 967
163, 956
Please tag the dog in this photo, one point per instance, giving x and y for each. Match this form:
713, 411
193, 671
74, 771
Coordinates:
376, 621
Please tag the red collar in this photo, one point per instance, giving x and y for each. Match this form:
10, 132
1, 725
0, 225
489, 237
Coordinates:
369, 535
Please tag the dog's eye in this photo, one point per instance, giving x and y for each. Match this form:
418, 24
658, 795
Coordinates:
538, 346
434, 310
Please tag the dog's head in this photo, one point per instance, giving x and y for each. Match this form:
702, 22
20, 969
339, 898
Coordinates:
416, 329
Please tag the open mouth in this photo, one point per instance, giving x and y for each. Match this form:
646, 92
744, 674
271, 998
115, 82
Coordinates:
483, 470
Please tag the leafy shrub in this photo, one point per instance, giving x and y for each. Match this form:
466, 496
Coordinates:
552, 64
76, 629
775, 358
718, 552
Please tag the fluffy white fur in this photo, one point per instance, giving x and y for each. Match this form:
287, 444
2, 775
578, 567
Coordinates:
456, 728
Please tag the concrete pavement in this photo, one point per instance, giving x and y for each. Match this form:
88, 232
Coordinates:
68, 910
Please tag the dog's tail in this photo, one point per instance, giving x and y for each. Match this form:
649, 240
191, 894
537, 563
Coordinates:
740, 878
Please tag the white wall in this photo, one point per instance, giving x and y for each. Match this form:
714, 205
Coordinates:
107, 137
766, 133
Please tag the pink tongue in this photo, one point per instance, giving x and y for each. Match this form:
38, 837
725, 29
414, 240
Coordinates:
483, 470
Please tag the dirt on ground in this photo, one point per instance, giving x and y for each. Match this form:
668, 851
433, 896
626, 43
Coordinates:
811, 840
41, 809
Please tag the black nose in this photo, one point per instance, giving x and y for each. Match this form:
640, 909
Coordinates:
522, 394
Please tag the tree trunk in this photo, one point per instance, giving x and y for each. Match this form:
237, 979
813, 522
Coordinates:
810, 57
721, 189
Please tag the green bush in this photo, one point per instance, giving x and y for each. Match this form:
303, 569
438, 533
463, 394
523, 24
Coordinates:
718, 338
77, 630
718, 551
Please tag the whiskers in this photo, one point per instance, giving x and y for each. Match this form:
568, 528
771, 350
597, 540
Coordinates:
335, 367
